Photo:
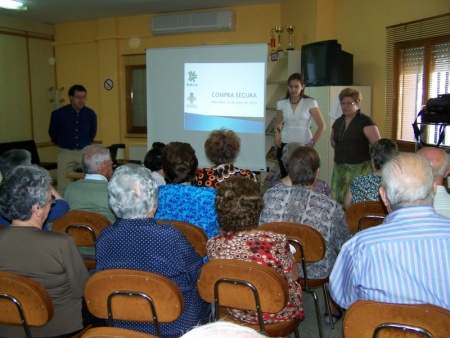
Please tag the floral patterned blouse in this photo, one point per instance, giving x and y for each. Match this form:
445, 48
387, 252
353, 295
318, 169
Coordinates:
319, 186
213, 177
300, 204
264, 248
365, 188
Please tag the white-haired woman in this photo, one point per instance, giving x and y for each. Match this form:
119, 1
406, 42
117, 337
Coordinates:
50, 258
135, 241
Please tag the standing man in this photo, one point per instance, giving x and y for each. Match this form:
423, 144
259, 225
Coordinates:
405, 260
438, 161
72, 127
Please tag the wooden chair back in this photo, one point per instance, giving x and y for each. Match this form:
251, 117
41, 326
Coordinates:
363, 215
368, 319
84, 226
230, 283
310, 247
195, 235
133, 295
114, 332
23, 301
312, 242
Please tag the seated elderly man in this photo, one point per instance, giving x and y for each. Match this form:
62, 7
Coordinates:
91, 193
438, 160
17, 157
301, 204
405, 260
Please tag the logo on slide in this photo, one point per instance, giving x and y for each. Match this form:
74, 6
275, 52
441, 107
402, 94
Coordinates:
191, 98
192, 76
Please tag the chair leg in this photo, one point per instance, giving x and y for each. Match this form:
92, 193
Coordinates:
318, 314
296, 333
326, 296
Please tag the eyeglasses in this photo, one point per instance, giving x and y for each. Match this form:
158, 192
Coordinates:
347, 103
51, 201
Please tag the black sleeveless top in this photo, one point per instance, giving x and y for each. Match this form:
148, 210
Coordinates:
351, 144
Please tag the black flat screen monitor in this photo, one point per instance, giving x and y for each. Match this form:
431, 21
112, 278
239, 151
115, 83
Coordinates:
324, 63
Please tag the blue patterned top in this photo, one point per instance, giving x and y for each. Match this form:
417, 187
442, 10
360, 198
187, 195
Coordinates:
406, 260
188, 203
142, 244
365, 188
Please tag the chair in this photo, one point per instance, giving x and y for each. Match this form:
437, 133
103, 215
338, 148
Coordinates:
84, 226
132, 295
363, 215
246, 286
114, 332
23, 302
195, 235
366, 318
310, 248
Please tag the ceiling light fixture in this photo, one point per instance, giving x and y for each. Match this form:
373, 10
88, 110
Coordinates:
11, 4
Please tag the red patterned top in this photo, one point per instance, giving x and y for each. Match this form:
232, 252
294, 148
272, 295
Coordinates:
264, 248
213, 177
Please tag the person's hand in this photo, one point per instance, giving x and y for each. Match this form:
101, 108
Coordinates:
55, 193
278, 139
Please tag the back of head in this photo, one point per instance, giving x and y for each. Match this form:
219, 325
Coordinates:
303, 165
132, 192
382, 151
407, 180
24, 187
179, 162
238, 204
13, 158
152, 159
222, 146
287, 152
94, 156
438, 160
355, 94
222, 329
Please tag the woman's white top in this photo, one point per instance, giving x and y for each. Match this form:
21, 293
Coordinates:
296, 123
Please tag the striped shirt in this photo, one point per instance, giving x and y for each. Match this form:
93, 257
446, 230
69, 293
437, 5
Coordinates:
442, 201
406, 260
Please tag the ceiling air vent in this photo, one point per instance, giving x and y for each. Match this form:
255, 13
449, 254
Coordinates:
193, 22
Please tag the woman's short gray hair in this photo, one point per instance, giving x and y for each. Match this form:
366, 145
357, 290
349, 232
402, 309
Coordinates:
132, 192
222, 329
24, 187
408, 180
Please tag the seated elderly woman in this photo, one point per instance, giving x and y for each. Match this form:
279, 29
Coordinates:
319, 185
135, 241
50, 258
153, 161
238, 204
12, 159
300, 204
365, 187
180, 200
222, 148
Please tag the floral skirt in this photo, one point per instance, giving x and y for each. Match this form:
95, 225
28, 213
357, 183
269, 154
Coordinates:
343, 174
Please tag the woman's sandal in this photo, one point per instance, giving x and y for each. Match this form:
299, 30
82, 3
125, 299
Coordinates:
334, 317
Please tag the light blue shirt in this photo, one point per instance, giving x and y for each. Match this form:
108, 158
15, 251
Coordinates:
406, 260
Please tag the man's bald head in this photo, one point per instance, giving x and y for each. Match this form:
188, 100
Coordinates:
407, 180
438, 160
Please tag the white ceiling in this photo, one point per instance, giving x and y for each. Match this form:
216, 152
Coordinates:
58, 11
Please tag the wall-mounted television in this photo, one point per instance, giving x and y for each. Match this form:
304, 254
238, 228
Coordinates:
324, 63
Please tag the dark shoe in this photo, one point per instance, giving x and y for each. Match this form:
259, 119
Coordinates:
334, 317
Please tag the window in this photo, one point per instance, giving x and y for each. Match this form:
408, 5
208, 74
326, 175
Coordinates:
136, 97
418, 68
